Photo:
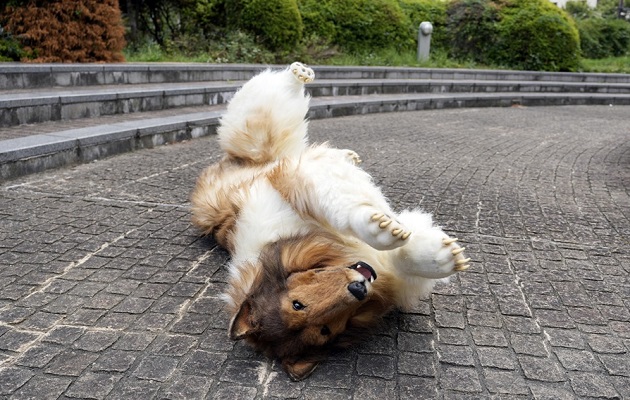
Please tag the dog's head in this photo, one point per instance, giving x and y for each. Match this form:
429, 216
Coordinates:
308, 297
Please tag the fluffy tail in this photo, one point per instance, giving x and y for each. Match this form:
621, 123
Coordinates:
265, 119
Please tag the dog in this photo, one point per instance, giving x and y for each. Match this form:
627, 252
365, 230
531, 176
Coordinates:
317, 255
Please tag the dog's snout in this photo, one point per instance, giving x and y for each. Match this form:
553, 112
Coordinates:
358, 290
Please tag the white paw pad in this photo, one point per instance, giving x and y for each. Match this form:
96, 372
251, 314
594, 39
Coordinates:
302, 73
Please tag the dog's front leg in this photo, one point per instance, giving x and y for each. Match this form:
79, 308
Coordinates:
325, 185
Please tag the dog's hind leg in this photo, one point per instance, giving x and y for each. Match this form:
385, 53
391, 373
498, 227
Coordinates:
266, 119
325, 185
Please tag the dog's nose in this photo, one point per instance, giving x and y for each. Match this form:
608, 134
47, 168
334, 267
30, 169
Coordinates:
358, 290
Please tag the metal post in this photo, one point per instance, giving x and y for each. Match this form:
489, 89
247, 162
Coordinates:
424, 40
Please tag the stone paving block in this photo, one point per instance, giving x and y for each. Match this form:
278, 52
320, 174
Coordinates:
593, 385
12, 379
104, 269
157, 368
39, 355
93, 385
114, 361
413, 387
541, 369
43, 387
505, 382
70, 362
234, 392
188, 387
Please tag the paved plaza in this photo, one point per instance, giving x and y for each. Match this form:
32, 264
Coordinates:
108, 292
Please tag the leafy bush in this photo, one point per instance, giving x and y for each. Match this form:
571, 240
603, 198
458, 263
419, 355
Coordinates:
318, 17
537, 35
67, 30
10, 48
356, 25
601, 38
522, 34
418, 11
278, 21
369, 24
472, 29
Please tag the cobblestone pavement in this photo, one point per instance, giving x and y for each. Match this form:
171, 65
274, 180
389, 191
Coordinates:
106, 291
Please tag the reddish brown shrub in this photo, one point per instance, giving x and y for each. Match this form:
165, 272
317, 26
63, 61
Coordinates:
68, 30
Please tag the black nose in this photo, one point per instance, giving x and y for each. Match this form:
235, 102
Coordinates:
358, 290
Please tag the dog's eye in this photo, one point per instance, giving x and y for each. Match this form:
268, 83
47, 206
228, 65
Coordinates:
297, 306
325, 330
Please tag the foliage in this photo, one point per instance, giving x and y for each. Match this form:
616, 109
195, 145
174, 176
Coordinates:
67, 30
10, 48
579, 9
418, 11
472, 28
601, 38
537, 35
277, 21
522, 34
608, 8
607, 65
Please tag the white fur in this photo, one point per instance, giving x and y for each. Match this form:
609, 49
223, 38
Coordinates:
329, 192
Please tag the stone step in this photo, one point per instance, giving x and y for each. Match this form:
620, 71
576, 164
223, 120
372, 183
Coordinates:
33, 106
32, 76
59, 147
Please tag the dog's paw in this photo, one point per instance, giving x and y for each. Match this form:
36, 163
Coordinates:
302, 73
433, 255
456, 259
379, 230
352, 157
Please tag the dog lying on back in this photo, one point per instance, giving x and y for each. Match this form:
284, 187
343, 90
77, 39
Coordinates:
317, 254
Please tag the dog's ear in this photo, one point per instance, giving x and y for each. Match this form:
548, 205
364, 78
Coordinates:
299, 369
243, 324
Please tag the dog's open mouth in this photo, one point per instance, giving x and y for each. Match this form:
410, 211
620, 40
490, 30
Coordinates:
364, 269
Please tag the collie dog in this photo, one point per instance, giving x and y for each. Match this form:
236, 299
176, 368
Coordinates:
317, 254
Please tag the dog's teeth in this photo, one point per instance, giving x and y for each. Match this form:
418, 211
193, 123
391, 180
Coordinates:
458, 251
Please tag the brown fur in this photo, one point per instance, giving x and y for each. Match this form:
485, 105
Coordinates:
313, 270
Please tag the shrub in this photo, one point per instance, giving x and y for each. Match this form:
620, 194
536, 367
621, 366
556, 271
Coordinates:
601, 38
356, 25
277, 21
537, 35
10, 48
522, 34
68, 30
418, 11
472, 29
318, 17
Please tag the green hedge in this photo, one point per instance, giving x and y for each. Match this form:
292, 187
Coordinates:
356, 25
601, 38
277, 21
521, 34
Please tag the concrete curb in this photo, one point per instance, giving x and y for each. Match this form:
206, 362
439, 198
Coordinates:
70, 104
29, 76
37, 153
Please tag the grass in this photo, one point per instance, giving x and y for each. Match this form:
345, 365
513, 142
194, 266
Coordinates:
384, 57
610, 65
